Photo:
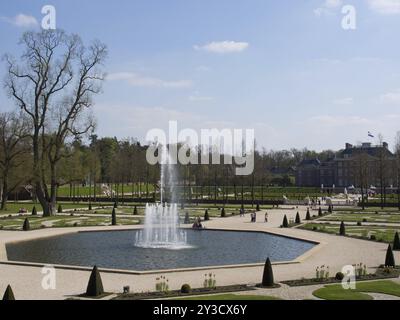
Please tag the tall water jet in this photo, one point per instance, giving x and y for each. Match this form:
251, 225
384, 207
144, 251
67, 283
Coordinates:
161, 228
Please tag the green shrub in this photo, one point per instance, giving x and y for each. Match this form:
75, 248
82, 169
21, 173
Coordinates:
389, 261
396, 242
90, 206
342, 231
95, 284
308, 216
186, 289
223, 214
187, 218
60, 209
26, 226
320, 211
135, 211
285, 223
8, 294
339, 276
359, 224
206, 216
34, 211
298, 219
113, 217
268, 275
258, 207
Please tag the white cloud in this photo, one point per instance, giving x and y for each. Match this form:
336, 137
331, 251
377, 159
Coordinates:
339, 121
136, 80
391, 97
21, 21
198, 98
328, 7
385, 6
344, 101
223, 47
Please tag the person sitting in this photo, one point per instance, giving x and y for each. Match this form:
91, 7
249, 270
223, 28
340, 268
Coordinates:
197, 224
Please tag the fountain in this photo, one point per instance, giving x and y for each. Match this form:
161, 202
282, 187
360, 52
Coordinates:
161, 228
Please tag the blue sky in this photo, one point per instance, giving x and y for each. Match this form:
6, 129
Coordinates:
285, 68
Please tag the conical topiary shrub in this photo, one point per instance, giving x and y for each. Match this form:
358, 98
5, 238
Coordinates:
113, 218
389, 261
298, 219
135, 212
206, 216
223, 214
396, 242
8, 294
330, 209
26, 226
308, 216
285, 223
320, 211
342, 231
258, 207
90, 206
95, 285
60, 209
187, 218
34, 211
268, 275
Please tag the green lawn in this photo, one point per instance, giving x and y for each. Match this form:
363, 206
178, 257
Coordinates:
62, 221
384, 233
381, 217
336, 292
14, 207
231, 297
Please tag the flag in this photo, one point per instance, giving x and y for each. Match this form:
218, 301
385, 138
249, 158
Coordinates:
370, 135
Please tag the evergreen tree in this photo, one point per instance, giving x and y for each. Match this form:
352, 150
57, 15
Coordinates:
34, 211
396, 242
223, 214
342, 229
389, 261
320, 211
268, 275
8, 294
206, 216
95, 284
113, 217
298, 219
26, 226
135, 211
285, 223
308, 216
60, 209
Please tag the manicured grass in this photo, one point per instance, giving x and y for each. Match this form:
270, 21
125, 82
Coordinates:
381, 233
231, 297
385, 287
381, 217
14, 207
336, 292
61, 221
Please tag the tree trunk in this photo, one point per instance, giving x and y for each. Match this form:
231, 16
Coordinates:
4, 194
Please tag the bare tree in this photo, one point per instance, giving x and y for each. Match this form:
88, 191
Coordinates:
53, 84
13, 153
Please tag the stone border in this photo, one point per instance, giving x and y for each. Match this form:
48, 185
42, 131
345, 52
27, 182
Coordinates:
318, 246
